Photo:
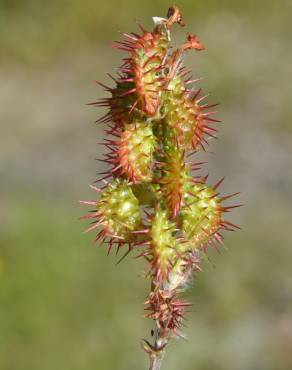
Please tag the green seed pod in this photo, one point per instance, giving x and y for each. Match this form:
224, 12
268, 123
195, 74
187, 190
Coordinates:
201, 214
119, 210
174, 176
182, 114
135, 151
163, 244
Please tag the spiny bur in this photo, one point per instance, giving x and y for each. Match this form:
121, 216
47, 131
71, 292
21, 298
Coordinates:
150, 202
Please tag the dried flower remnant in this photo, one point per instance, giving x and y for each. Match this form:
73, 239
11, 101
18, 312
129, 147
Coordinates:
150, 202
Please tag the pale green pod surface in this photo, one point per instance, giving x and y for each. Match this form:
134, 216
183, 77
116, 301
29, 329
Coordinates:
201, 214
135, 151
119, 209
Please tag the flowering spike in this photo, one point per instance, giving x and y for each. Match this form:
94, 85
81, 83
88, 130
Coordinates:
149, 201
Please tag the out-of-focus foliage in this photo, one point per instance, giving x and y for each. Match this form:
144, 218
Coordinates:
64, 305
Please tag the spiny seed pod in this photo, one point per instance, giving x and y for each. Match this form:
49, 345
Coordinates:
186, 116
174, 176
202, 214
135, 152
163, 244
152, 203
166, 309
144, 67
117, 212
183, 111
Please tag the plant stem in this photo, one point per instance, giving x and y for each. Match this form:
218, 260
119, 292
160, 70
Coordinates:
156, 352
155, 362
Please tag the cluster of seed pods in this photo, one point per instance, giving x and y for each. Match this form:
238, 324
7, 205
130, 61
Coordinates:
150, 202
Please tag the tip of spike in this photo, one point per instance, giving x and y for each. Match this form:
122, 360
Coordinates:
174, 16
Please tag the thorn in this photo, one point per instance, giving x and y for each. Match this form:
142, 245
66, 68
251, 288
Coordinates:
129, 92
88, 202
95, 188
94, 226
231, 224
196, 94
104, 86
141, 27
227, 209
229, 196
124, 256
218, 183
202, 98
145, 231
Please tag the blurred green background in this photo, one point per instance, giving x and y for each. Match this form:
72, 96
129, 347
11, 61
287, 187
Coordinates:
63, 303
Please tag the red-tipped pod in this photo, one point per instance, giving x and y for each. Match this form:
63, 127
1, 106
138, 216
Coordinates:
144, 67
